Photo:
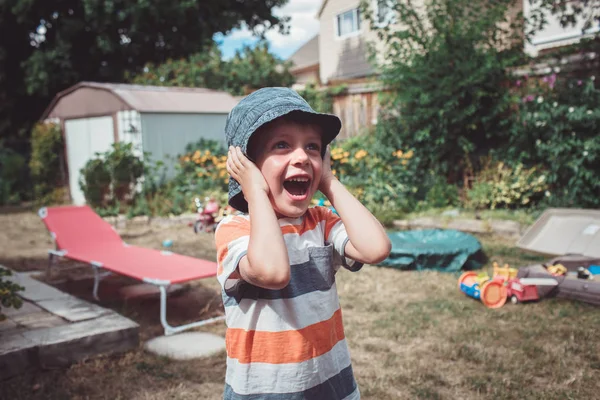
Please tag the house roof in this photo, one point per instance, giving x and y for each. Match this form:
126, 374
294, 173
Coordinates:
307, 55
323, 3
150, 99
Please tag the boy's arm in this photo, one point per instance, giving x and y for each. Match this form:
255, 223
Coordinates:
368, 242
266, 264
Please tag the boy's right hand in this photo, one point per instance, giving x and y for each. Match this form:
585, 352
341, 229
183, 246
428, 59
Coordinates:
246, 173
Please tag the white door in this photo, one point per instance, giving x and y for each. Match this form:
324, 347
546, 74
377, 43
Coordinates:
85, 137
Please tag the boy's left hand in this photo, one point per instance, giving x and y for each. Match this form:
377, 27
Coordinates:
326, 174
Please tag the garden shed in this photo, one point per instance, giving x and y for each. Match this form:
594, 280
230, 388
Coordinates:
157, 120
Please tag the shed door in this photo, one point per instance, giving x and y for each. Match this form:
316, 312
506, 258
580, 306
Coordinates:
85, 137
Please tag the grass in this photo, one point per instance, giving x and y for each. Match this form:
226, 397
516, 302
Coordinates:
412, 335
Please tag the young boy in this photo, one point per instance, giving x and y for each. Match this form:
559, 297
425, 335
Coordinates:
277, 262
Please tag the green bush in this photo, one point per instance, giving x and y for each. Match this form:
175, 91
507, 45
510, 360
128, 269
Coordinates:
45, 164
112, 176
8, 292
559, 121
13, 168
500, 186
446, 77
321, 98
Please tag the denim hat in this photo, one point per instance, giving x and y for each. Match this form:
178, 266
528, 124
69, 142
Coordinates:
264, 106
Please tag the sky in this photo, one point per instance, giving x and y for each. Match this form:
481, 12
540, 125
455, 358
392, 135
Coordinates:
303, 26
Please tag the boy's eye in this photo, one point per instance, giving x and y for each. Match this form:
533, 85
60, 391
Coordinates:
280, 145
314, 146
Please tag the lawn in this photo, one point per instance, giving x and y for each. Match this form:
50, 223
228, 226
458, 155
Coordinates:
412, 335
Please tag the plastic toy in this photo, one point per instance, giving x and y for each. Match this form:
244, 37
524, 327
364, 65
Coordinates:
557, 269
491, 292
167, 243
525, 289
205, 222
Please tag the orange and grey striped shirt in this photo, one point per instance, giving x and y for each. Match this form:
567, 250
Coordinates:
288, 343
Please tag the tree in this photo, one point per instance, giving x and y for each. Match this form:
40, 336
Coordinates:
251, 68
49, 45
445, 67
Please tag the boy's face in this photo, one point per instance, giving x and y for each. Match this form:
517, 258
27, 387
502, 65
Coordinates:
289, 157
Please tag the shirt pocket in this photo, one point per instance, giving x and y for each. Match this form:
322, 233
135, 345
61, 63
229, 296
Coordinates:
320, 267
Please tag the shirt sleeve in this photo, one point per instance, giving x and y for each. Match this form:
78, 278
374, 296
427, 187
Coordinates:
232, 237
335, 233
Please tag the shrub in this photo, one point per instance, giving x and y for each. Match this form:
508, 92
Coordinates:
8, 292
45, 165
112, 176
379, 174
559, 120
445, 70
12, 175
498, 185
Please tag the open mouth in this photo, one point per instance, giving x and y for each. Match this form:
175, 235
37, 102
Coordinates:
297, 187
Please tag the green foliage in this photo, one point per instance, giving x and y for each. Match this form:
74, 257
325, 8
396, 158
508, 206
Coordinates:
252, 67
559, 119
47, 46
13, 175
500, 186
45, 164
447, 80
321, 98
442, 194
8, 292
379, 174
111, 177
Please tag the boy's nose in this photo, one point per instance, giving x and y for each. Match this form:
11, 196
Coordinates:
299, 156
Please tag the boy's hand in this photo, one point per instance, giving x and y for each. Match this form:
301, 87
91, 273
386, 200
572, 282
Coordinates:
246, 173
326, 174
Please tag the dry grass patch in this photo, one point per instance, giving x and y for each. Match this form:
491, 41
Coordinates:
412, 335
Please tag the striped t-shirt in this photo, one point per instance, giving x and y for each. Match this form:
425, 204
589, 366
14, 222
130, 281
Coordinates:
288, 343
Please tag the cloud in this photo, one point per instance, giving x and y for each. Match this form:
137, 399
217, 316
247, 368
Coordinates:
303, 25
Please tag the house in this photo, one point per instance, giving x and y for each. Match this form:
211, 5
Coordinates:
160, 121
305, 63
344, 40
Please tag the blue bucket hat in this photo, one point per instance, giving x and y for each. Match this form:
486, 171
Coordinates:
261, 107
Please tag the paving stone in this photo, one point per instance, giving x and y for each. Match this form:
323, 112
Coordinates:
187, 345
38, 320
73, 309
36, 290
7, 325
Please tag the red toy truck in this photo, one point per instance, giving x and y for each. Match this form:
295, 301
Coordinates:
525, 289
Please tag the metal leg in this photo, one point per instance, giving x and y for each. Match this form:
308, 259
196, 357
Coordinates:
97, 278
169, 330
50, 263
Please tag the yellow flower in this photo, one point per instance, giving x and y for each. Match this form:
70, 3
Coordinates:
404, 162
343, 161
334, 172
346, 154
337, 156
196, 155
398, 153
360, 154
409, 154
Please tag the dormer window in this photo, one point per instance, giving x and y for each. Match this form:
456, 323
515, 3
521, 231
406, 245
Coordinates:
348, 23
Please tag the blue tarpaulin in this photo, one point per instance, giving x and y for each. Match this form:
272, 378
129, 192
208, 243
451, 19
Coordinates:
434, 249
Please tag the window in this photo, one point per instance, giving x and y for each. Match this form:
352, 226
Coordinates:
348, 23
384, 14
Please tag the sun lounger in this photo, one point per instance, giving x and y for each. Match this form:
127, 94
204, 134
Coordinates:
81, 235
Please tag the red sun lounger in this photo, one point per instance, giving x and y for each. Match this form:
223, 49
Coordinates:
81, 235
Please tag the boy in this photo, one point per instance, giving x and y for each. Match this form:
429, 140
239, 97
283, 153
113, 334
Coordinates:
277, 262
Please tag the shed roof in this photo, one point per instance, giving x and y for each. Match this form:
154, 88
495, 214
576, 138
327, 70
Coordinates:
307, 55
93, 98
